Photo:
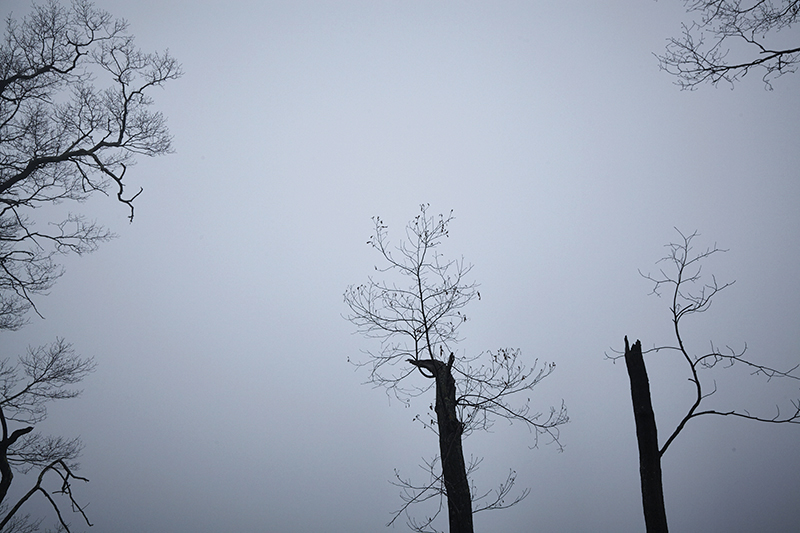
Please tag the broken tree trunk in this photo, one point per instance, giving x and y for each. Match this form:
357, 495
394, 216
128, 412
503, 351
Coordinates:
655, 516
454, 472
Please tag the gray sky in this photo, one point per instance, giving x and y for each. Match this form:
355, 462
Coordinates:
223, 400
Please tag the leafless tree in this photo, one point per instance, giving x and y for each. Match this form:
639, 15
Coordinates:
729, 38
75, 112
416, 317
64, 137
26, 387
681, 280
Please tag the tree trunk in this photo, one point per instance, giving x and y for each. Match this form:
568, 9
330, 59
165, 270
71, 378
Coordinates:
454, 472
6, 474
655, 515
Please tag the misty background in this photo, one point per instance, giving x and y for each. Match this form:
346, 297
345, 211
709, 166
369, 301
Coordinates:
223, 400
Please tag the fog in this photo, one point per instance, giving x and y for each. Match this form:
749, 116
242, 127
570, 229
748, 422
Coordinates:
223, 399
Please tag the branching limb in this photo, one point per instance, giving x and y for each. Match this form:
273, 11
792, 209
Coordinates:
42, 375
496, 499
412, 494
488, 390
62, 138
703, 52
419, 320
689, 295
65, 473
434, 489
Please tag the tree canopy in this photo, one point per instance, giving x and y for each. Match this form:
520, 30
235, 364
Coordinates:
75, 111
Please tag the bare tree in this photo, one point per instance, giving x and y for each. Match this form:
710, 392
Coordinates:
63, 137
416, 317
42, 375
730, 38
75, 111
688, 296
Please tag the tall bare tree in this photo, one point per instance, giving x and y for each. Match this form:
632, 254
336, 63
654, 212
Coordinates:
729, 38
416, 313
75, 112
688, 296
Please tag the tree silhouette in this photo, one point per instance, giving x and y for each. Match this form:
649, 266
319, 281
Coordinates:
63, 138
75, 112
688, 296
42, 375
416, 317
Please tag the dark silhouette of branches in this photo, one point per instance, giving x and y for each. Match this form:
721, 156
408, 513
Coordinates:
26, 387
64, 138
487, 385
415, 311
417, 321
75, 113
689, 296
682, 281
62, 470
730, 38
415, 493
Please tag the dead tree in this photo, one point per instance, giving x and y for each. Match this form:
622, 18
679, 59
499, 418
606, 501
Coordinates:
688, 296
655, 514
416, 316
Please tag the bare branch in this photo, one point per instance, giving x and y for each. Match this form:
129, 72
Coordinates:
61, 469
40, 376
75, 114
64, 139
690, 295
487, 389
681, 280
728, 40
434, 490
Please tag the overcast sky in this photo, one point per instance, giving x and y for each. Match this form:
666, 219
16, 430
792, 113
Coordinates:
223, 400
